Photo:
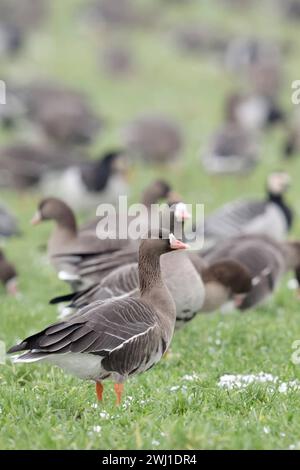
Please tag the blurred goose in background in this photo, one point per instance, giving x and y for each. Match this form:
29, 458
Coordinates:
271, 216
17, 21
22, 164
117, 61
154, 138
197, 39
85, 185
118, 14
252, 111
113, 339
8, 223
265, 259
232, 149
63, 114
66, 246
8, 275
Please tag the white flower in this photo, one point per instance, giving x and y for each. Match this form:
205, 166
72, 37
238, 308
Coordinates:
283, 387
104, 415
94, 405
174, 388
266, 430
155, 443
97, 429
190, 378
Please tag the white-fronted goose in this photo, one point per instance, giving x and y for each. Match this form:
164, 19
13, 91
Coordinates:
271, 216
67, 248
8, 275
265, 259
154, 138
113, 339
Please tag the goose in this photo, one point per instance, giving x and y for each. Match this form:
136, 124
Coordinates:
118, 61
271, 216
231, 149
8, 275
23, 164
265, 259
252, 111
292, 143
85, 185
196, 39
114, 339
8, 223
153, 137
66, 246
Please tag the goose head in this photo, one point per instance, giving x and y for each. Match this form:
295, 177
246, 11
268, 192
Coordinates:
55, 209
225, 281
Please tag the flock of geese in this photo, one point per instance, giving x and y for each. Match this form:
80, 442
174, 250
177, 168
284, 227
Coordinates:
126, 297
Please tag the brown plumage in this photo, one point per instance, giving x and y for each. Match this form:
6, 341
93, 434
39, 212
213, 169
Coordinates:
8, 275
117, 338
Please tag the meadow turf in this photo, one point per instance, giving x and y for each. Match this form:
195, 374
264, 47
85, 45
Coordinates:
40, 406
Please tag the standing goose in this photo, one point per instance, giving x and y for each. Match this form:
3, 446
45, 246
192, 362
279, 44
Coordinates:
113, 339
271, 216
66, 246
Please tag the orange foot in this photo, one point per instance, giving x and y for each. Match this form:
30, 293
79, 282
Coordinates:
119, 388
99, 391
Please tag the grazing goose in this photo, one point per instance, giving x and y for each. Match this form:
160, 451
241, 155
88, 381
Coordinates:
117, 61
113, 339
265, 259
8, 275
22, 165
66, 246
197, 39
8, 223
154, 138
232, 149
271, 216
85, 185
63, 114
252, 111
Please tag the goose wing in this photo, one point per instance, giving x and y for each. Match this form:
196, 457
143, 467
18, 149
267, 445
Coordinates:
124, 332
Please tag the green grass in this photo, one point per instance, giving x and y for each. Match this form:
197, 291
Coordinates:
40, 406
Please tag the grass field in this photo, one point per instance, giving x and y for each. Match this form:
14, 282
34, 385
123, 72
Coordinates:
178, 404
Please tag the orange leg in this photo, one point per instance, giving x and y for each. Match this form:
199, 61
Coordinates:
99, 391
119, 390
